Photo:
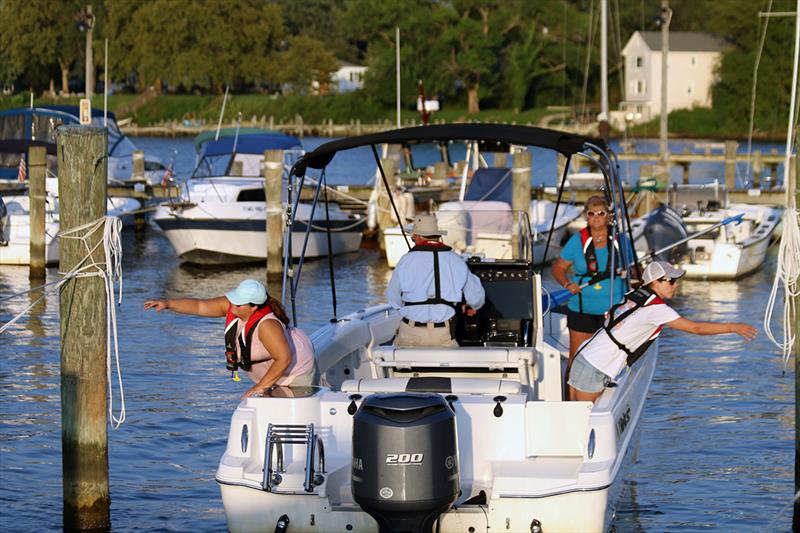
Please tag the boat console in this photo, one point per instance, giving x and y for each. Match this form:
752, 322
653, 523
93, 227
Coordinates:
506, 319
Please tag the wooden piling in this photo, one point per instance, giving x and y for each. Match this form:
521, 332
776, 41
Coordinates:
758, 168
84, 441
561, 165
730, 164
37, 170
138, 176
439, 178
500, 160
685, 167
521, 191
273, 180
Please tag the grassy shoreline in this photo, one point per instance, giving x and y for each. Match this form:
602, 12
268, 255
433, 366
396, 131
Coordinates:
203, 110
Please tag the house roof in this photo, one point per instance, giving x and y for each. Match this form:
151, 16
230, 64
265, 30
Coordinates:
684, 41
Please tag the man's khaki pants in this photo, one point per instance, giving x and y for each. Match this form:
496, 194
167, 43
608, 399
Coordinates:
408, 335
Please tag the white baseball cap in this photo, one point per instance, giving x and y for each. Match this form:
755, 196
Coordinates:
661, 269
249, 291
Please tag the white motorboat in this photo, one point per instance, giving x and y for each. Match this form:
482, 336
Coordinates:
15, 236
222, 217
482, 224
40, 123
730, 251
473, 438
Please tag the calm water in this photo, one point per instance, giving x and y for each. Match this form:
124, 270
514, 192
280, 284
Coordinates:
716, 438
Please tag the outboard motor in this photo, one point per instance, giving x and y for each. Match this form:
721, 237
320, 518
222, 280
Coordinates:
405, 460
663, 227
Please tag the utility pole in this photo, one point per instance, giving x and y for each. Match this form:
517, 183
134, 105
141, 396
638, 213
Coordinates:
86, 21
666, 17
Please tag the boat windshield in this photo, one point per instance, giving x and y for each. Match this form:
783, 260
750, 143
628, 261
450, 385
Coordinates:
240, 165
486, 231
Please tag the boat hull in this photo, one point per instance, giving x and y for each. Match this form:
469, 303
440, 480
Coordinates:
209, 240
250, 511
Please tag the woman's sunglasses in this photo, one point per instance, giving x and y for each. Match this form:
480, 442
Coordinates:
596, 213
670, 280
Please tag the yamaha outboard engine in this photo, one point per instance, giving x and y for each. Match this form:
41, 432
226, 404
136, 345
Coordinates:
664, 226
405, 460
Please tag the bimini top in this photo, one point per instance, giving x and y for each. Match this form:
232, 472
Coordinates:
486, 135
251, 144
76, 111
228, 132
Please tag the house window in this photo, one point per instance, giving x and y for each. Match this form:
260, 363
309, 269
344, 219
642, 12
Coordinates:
639, 87
638, 62
690, 87
694, 60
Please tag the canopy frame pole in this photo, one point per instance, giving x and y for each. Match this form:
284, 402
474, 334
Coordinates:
324, 181
389, 192
555, 215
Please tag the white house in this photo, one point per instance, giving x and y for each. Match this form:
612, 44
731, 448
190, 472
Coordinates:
349, 77
691, 62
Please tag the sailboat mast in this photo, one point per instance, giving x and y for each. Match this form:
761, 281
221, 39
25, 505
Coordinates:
397, 67
603, 117
666, 17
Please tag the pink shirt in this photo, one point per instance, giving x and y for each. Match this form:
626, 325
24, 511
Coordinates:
299, 343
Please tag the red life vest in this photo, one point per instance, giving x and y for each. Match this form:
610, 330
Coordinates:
234, 361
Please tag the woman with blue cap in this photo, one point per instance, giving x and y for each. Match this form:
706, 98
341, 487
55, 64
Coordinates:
258, 338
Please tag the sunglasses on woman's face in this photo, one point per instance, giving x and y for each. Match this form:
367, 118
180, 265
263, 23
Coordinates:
596, 213
670, 280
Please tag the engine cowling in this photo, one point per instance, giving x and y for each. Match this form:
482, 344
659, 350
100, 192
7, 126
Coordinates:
405, 460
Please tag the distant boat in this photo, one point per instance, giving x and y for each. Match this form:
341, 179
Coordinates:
16, 230
222, 217
726, 253
483, 224
40, 123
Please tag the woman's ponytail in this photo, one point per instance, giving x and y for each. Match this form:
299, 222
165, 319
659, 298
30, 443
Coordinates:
278, 310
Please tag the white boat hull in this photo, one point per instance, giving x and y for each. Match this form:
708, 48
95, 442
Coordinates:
546, 459
731, 252
229, 233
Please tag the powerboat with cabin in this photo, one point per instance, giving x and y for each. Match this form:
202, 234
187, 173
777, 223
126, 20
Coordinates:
40, 123
16, 229
723, 241
472, 438
221, 218
482, 222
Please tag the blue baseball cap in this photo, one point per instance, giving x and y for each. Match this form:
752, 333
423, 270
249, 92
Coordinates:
249, 291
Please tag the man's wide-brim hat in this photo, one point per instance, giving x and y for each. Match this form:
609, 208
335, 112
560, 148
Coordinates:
661, 269
426, 226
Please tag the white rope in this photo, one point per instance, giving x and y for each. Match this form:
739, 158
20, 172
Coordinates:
110, 271
787, 276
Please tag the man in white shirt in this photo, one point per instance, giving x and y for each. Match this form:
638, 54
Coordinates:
428, 285
631, 327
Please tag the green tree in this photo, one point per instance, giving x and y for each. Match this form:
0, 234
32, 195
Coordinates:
35, 36
306, 61
210, 44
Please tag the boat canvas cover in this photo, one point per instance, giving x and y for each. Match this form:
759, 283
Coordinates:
486, 135
251, 144
213, 135
490, 184
11, 150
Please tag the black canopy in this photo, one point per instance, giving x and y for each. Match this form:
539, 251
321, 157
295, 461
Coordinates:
485, 134
20, 146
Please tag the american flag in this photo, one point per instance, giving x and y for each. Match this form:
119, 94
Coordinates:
22, 171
